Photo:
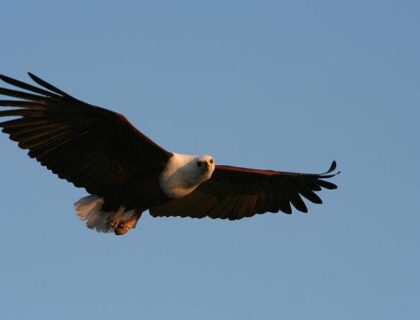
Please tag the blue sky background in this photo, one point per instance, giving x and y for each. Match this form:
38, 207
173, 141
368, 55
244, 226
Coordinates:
288, 85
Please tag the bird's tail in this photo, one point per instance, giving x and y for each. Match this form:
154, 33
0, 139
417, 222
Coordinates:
89, 209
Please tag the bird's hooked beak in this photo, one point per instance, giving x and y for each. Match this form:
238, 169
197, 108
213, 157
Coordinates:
203, 165
206, 166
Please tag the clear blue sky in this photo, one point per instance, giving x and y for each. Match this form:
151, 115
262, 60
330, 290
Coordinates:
288, 85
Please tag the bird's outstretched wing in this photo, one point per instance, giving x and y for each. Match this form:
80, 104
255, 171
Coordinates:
234, 193
89, 146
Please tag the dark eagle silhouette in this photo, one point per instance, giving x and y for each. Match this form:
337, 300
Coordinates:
126, 173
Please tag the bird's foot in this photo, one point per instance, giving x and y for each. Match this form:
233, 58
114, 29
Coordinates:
122, 227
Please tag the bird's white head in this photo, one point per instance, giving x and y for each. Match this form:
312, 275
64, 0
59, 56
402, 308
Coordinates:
205, 165
184, 173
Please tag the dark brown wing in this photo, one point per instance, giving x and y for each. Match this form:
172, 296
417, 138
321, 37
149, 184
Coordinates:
234, 193
87, 145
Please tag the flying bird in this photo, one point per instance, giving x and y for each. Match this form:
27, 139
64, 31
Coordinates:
126, 173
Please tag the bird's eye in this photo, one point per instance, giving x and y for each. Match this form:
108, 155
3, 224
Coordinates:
211, 161
198, 163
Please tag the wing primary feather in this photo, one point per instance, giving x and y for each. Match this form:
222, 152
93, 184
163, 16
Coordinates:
314, 186
48, 85
297, 201
22, 122
327, 185
26, 86
23, 113
332, 167
20, 94
54, 143
46, 147
31, 142
27, 136
309, 194
28, 129
21, 104
283, 203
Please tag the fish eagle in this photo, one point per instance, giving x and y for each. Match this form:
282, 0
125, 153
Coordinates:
126, 173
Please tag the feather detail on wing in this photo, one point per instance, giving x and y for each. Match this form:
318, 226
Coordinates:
234, 193
87, 145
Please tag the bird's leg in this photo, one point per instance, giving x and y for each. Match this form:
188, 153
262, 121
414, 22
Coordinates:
114, 220
123, 225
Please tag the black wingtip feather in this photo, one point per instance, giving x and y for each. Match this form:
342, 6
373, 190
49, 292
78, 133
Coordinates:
330, 173
47, 85
327, 185
25, 86
332, 167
